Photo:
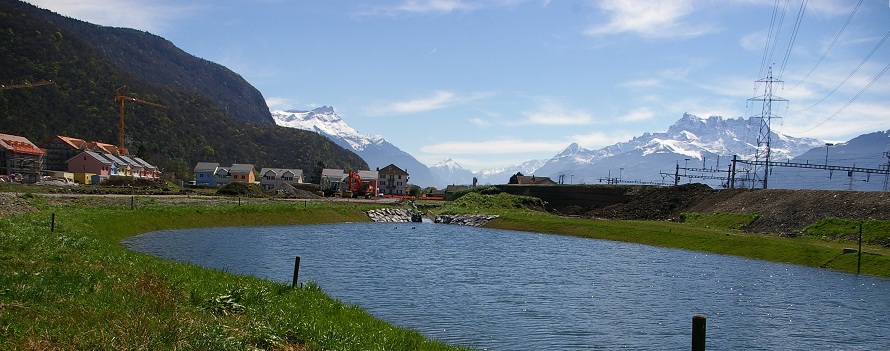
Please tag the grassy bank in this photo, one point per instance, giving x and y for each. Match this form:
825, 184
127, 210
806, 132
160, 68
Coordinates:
77, 288
706, 233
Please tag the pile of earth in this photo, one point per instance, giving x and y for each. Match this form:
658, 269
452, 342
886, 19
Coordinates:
781, 211
12, 204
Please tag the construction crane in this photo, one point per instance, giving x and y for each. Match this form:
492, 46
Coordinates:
26, 85
120, 94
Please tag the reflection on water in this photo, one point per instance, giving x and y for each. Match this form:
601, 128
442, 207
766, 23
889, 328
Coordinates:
507, 290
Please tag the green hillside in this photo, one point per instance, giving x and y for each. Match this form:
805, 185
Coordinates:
201, 124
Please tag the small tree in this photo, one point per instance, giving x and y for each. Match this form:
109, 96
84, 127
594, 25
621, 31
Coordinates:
414, 190
514, 179
314, 176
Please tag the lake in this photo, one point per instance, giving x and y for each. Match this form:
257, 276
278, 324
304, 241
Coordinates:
508, 290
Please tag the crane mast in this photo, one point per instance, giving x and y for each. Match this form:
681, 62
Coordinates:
120, 95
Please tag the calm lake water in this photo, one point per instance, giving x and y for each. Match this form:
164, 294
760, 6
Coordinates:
508, 290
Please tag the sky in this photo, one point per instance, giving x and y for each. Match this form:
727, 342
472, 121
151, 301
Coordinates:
493, 83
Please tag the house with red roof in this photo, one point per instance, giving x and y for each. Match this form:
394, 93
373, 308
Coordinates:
20, 158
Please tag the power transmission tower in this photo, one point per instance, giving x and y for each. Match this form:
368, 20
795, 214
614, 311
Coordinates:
764, 136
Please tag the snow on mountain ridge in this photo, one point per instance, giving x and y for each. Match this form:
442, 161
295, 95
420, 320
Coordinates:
374, 149
324, 120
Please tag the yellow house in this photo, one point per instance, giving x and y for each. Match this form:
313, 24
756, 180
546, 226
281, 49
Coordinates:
242, 173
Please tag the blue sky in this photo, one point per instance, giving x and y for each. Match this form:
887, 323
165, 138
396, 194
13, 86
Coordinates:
492, 83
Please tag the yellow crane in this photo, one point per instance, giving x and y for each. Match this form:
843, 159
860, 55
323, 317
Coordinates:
26, 85
120, 94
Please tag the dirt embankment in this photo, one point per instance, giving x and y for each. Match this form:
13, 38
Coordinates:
781, 211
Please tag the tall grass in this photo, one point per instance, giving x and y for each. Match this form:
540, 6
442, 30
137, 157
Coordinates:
78, 289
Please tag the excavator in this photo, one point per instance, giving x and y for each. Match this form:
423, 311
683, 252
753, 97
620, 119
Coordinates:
356, 187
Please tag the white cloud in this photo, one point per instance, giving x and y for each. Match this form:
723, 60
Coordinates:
559, 118
441, 6
640, 114
641, 83
754, 41
504, 146
550, 112
426, 6
480, 122
279, 103
439, 100
648, 18
148, 16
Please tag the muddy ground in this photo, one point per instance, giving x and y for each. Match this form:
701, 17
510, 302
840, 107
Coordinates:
781, 211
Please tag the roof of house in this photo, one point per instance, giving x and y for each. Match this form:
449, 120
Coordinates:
20, 145
240, 168
144, 163
534, 180
131, 161
75, 143
332, 173
206, 167
94, 155
114, 159
392, 169
368, 175
103, 147
282, 171
453, 188
222, 171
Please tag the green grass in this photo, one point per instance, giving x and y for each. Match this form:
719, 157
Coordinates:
719, 220
77, 288
839, 228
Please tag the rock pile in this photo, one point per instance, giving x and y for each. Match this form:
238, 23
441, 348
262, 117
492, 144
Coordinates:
389, 215
464, 219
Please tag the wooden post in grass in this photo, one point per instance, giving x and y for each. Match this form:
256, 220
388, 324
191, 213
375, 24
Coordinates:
296, 271
698, 332
132, 202
52, 224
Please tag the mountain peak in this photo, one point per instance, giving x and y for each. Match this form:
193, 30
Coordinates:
570, 150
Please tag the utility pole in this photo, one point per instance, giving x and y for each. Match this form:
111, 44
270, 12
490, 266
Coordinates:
766, 116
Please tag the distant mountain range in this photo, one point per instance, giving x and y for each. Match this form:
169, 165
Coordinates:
374, 149
691, 142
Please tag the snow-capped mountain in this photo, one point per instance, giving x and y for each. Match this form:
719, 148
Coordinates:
690, 142
502, 175
452, 173
374, 149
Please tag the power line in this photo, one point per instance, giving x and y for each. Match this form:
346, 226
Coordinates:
852, 73
800, 12
769, 37
830, 45
853, 99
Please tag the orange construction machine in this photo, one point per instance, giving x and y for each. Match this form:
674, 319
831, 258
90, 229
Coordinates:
358, 187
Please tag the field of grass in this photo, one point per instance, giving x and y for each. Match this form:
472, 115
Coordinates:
76, 288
